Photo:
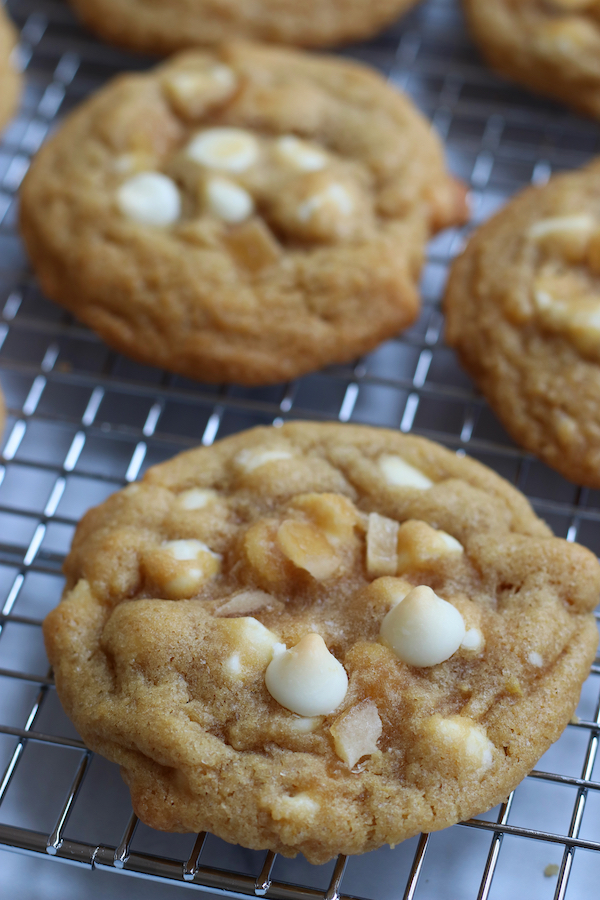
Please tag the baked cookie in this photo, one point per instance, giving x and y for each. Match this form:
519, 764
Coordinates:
550, 46
242, 215
523, 312
10, 81
163, 26
321, 638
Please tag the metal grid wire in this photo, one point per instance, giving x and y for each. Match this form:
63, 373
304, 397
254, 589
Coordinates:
83, 421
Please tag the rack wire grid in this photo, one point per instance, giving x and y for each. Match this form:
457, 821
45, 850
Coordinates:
83, 421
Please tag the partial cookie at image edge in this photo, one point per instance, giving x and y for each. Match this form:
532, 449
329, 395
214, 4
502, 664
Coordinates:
165, 27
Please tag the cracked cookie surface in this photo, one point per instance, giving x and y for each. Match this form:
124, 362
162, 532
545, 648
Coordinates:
523, 312
233, 632
163, 26
550, 46
10, 81
247, 215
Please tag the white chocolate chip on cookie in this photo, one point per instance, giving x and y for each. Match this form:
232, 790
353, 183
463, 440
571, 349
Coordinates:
356, 732
227, 149
193, 92
473, 640
227, 200
197, 563
464, 740
150, 198
307, 679
255, 457
334, 201
196, 498
299, 154
423, 630
399, 473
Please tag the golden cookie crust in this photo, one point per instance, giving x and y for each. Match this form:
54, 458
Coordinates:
550, 46
10, 81
195, 297
169, 25
174, 689
521, 313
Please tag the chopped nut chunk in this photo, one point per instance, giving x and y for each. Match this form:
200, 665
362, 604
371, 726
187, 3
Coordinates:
382, 545
334, 514
308, 548
420, 545
246, 602
356, 732
253, 245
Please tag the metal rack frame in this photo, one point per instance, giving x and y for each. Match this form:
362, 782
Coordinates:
83, 421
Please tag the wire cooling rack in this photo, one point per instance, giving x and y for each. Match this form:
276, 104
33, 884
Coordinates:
83, 421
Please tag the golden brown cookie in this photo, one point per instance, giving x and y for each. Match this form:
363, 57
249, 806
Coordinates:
550, 46
163, 26
242, 215
10, 81
321, 638
523, 312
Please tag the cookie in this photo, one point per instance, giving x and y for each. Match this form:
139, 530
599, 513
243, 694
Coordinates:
9, 78
523, 312
163, 26
552, 47
247, 215
321, 638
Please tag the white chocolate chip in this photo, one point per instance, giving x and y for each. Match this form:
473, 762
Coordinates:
335, 196
300, 806
192, 92
382, 545
535, 659
423, 630
466, 739
187, 550
197, 562
227, 200
196, 498
233, 664
250, 645
356, 732
473, 640
399, 473
227, 149
150, 198
247, 602
302, 155
304, 724
583, 224
251, 459
451, 543
307, 679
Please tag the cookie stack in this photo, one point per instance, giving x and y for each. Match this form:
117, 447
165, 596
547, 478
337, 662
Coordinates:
316, 638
